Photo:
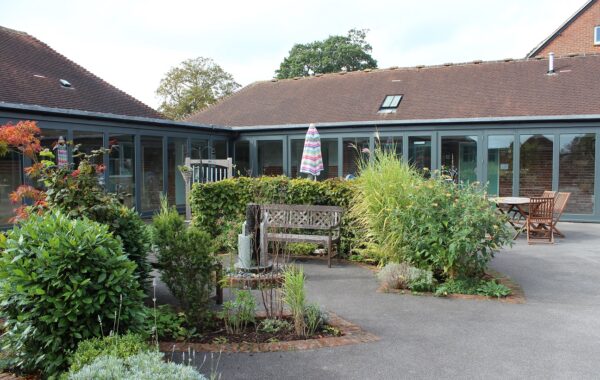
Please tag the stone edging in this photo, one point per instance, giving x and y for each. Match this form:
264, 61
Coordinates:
352, 334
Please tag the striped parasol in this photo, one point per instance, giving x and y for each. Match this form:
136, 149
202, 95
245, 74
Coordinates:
312, 159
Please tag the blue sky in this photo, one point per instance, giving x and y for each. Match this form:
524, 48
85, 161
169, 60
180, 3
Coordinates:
131, 44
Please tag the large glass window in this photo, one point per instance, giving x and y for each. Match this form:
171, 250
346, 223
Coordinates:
355, 150
459, 158
152, 172
220, 149
270, 157
390, 144
10, 178
242, 158
535, 174
419, 152
500, 165
177, 151
200, 149
576, 171
88, 141
329, 153
121, 167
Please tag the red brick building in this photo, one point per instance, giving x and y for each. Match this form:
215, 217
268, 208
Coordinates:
580, 34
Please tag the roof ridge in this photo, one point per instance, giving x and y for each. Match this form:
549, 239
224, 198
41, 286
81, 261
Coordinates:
425, 67
84, 70
222, 99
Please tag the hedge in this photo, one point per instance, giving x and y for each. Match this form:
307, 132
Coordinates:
218, 205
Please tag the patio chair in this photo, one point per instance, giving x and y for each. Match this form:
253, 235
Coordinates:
549, 194
541, 211
560, 203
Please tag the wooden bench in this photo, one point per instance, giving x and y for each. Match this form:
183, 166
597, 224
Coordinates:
277, 220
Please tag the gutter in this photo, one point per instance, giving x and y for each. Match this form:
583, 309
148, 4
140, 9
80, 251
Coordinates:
418, 122
4, 106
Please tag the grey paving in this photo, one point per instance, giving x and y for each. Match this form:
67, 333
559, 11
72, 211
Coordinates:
556, 334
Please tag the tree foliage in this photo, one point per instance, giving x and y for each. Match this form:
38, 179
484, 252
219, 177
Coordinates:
334, 54
193, 85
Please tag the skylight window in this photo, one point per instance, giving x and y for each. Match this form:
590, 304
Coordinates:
597, 35
390, 103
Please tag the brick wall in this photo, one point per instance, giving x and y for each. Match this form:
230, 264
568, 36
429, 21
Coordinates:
578, 37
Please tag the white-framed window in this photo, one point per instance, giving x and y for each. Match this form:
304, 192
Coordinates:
597, 35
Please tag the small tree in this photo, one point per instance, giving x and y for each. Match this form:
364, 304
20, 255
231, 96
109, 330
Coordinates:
334, 54
186, 259
193, 85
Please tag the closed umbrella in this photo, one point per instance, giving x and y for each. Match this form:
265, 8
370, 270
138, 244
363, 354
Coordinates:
312, 159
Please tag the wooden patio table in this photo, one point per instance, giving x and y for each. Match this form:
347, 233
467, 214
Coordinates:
516, 209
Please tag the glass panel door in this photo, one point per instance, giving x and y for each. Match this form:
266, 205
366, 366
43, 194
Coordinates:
459, 158
121, 167
176, 153
390, 144
500, 165
536, 158
577, 168
355, 150
270, 157
419, 152
152, 172
329, 155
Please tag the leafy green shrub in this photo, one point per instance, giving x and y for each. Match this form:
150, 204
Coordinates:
430, 223
170, 325
79, 194
472, 286
314, 319
237, 314
146, 365
294, 296
218, 205
119, 346
58, 278
273, 326
421, 280
493, 289
186, 258
301, 249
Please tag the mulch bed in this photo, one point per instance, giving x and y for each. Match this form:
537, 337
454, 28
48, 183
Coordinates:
517, 295
252, 335
350, 334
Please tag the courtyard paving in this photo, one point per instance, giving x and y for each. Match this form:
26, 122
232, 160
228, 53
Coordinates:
555, 334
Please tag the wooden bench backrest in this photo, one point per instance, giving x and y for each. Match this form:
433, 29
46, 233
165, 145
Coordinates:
302, 216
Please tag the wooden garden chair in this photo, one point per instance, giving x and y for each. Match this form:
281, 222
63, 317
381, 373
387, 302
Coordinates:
541, 212
549, 194
560, 203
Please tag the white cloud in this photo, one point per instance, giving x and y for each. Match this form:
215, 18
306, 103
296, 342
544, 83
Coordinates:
131, 44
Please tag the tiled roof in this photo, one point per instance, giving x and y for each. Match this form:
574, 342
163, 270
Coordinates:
506, 88
30, 73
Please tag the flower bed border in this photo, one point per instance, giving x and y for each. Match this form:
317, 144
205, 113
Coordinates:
351, 334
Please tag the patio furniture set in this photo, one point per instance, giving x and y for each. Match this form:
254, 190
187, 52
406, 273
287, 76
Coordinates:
536, 216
